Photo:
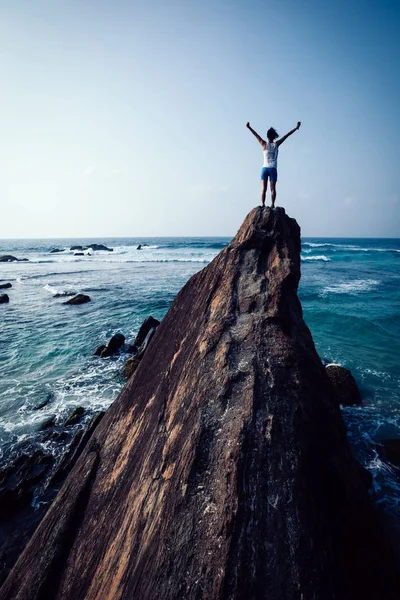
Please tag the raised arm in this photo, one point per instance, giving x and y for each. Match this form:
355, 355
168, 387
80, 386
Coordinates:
279, 142
262, 142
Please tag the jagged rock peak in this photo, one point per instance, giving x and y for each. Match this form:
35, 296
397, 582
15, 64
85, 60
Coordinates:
222, 470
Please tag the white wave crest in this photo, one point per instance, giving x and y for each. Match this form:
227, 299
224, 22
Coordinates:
320, 257
351, 287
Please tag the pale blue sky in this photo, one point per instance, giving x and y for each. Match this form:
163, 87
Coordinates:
128, 118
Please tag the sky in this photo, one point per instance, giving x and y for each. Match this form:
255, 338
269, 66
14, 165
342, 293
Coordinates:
127, 118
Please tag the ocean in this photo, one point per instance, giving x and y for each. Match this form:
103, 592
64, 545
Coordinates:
349, 290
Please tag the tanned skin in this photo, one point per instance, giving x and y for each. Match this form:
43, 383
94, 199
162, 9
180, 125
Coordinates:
264, 183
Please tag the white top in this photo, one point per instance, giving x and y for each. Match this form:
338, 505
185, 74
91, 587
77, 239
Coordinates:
271, 155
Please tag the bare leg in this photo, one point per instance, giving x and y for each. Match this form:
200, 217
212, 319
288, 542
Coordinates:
273, 193
264, 187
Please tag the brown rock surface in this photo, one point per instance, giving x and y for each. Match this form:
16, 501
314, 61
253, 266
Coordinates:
222, 470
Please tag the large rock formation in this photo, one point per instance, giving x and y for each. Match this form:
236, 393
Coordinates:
222, 470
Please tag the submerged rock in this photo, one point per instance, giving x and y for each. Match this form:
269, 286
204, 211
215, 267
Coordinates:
5, 286
113, 345
4, 299
75, 416
78, 299
9, 258
389, 450
345, 385
100, 247
19, 479
222, 471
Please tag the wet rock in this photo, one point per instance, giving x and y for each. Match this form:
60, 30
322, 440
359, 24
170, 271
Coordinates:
48, 424
4, 299
5, 286
389, 451
10, 258
139, 247
64, 294
222, 470
132, 363
74, 450
79, 299
19, 479
146, 326
113, 345
56, 250
78, 248
79, 254
344, 384
101, 247
100, 350
75, 416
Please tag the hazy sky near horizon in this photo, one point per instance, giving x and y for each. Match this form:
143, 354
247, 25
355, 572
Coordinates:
128, 118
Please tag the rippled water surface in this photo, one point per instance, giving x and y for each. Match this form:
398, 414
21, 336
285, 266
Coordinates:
350, 296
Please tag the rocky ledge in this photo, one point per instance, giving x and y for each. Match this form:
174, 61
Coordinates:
222, 470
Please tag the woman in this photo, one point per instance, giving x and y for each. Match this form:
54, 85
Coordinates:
270, 166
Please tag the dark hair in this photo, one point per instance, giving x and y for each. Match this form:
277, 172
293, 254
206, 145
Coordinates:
272, 134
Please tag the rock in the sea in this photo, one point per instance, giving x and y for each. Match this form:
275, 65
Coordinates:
100, 350
78, 299
100, 247
146, 326
4, 299
132, 363
78, 248
56, 250
75, 416
79, 254
139, 247
50, 422
389, 450
113, 345
222, 471
19, 479
9, 258
345, 385
5, 286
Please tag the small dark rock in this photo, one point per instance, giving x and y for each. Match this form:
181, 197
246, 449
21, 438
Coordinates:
19, 479
75, 416
345, 385
78, 299
132, 349
101, 247
5, 286
9, 258
79, 254
100, 350
113, 345
47, 424
139, 247
147, 324
64, 294
4, 299
389, 450
56, 250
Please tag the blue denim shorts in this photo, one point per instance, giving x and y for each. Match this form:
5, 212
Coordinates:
270, 172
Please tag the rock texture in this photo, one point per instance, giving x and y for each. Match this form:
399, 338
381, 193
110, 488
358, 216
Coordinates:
5, 286
4, 299
222, 471
78, 299
344, 384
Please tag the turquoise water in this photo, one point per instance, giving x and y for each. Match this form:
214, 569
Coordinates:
349, 291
